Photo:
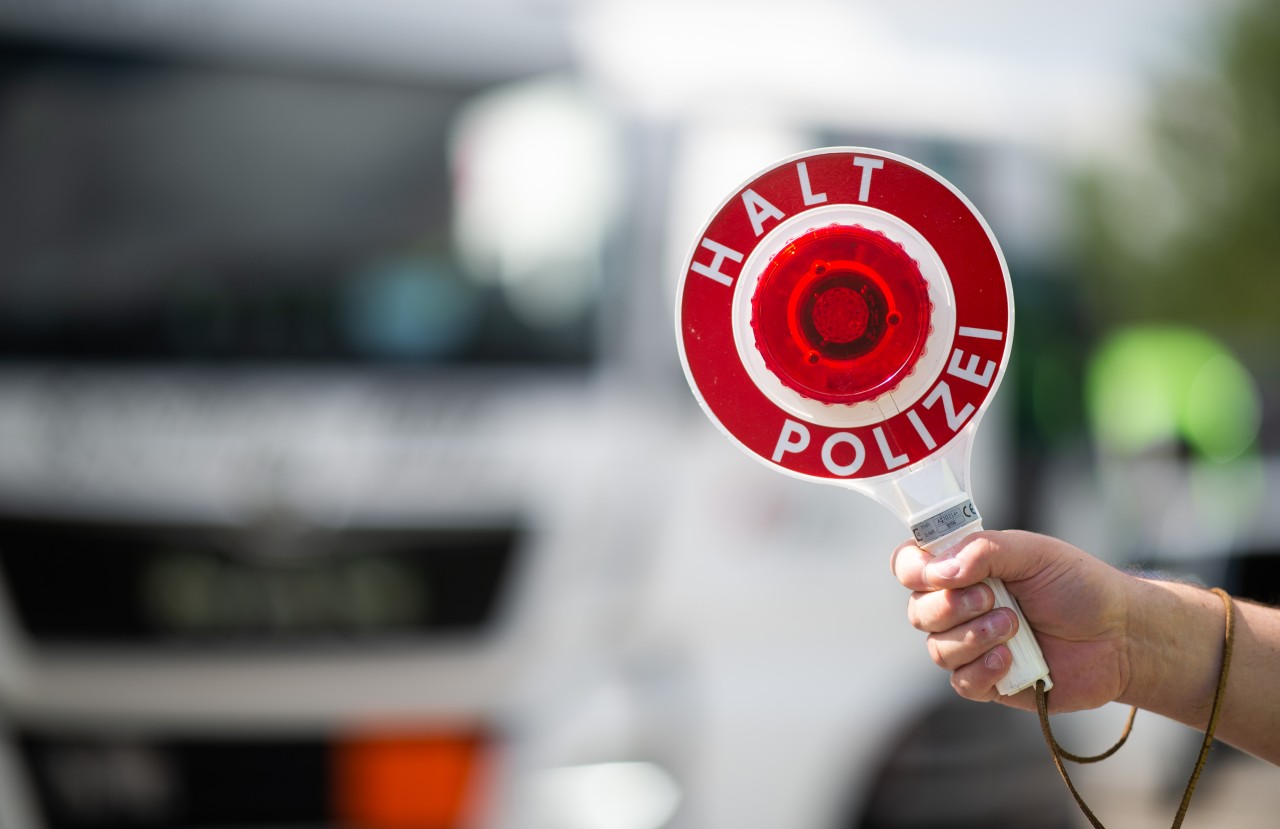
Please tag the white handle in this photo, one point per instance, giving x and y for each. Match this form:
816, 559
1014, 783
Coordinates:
1028, 662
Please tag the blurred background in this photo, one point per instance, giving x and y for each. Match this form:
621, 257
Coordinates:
348, 476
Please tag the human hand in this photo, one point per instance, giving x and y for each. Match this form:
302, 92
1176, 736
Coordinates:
1076, 604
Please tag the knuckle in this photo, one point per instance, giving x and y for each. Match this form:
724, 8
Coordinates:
913, 615
943, 655
912, 570
964, 686
981, 547
972, 686
935, 652
900, 559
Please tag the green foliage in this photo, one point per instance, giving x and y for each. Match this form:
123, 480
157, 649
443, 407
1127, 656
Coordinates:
1195, 238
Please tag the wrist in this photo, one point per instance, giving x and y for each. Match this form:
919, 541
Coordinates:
1174, 644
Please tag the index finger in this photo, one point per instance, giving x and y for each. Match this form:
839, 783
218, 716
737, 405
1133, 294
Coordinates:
907, 563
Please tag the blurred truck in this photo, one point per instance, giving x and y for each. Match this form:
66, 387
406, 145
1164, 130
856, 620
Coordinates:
348, 477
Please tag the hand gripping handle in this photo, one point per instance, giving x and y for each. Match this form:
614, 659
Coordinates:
1028, 662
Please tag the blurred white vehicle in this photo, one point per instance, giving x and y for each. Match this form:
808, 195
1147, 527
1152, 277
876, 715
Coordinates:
348, 478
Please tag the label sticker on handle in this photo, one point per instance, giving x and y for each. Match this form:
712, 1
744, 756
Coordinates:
945, 523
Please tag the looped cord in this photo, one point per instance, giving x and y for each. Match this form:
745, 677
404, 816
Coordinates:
1060, 754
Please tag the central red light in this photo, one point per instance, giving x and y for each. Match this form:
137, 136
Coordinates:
841, 314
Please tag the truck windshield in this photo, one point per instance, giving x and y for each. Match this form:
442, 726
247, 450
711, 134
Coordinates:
162, 211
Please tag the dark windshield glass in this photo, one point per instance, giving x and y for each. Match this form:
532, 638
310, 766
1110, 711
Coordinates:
155, 211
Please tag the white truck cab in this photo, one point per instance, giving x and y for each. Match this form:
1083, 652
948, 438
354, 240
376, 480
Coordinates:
347, 475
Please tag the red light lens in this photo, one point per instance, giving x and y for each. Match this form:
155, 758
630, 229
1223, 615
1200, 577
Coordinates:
841, 314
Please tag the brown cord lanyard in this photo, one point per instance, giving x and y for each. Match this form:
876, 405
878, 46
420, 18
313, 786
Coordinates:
1060, 754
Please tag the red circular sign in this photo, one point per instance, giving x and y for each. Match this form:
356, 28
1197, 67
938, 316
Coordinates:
793, 379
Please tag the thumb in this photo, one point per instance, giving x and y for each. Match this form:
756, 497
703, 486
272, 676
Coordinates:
1009, 555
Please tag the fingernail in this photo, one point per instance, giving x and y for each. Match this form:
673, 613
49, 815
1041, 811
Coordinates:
944, 568
1000, 625
993, 660
974, 600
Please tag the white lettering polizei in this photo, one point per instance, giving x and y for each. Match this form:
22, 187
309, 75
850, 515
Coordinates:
794, 438
970, 372
806, 191
891, 461
843, 469
713, 271
943, 392
867, 165
758, 209
914, 417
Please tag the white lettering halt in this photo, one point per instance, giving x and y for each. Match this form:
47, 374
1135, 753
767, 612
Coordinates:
868, 165
758, 210
806, 190
713, 271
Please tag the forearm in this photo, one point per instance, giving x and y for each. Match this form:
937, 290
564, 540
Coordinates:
1177, 641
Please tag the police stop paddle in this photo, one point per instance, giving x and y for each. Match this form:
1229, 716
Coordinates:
845, 316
